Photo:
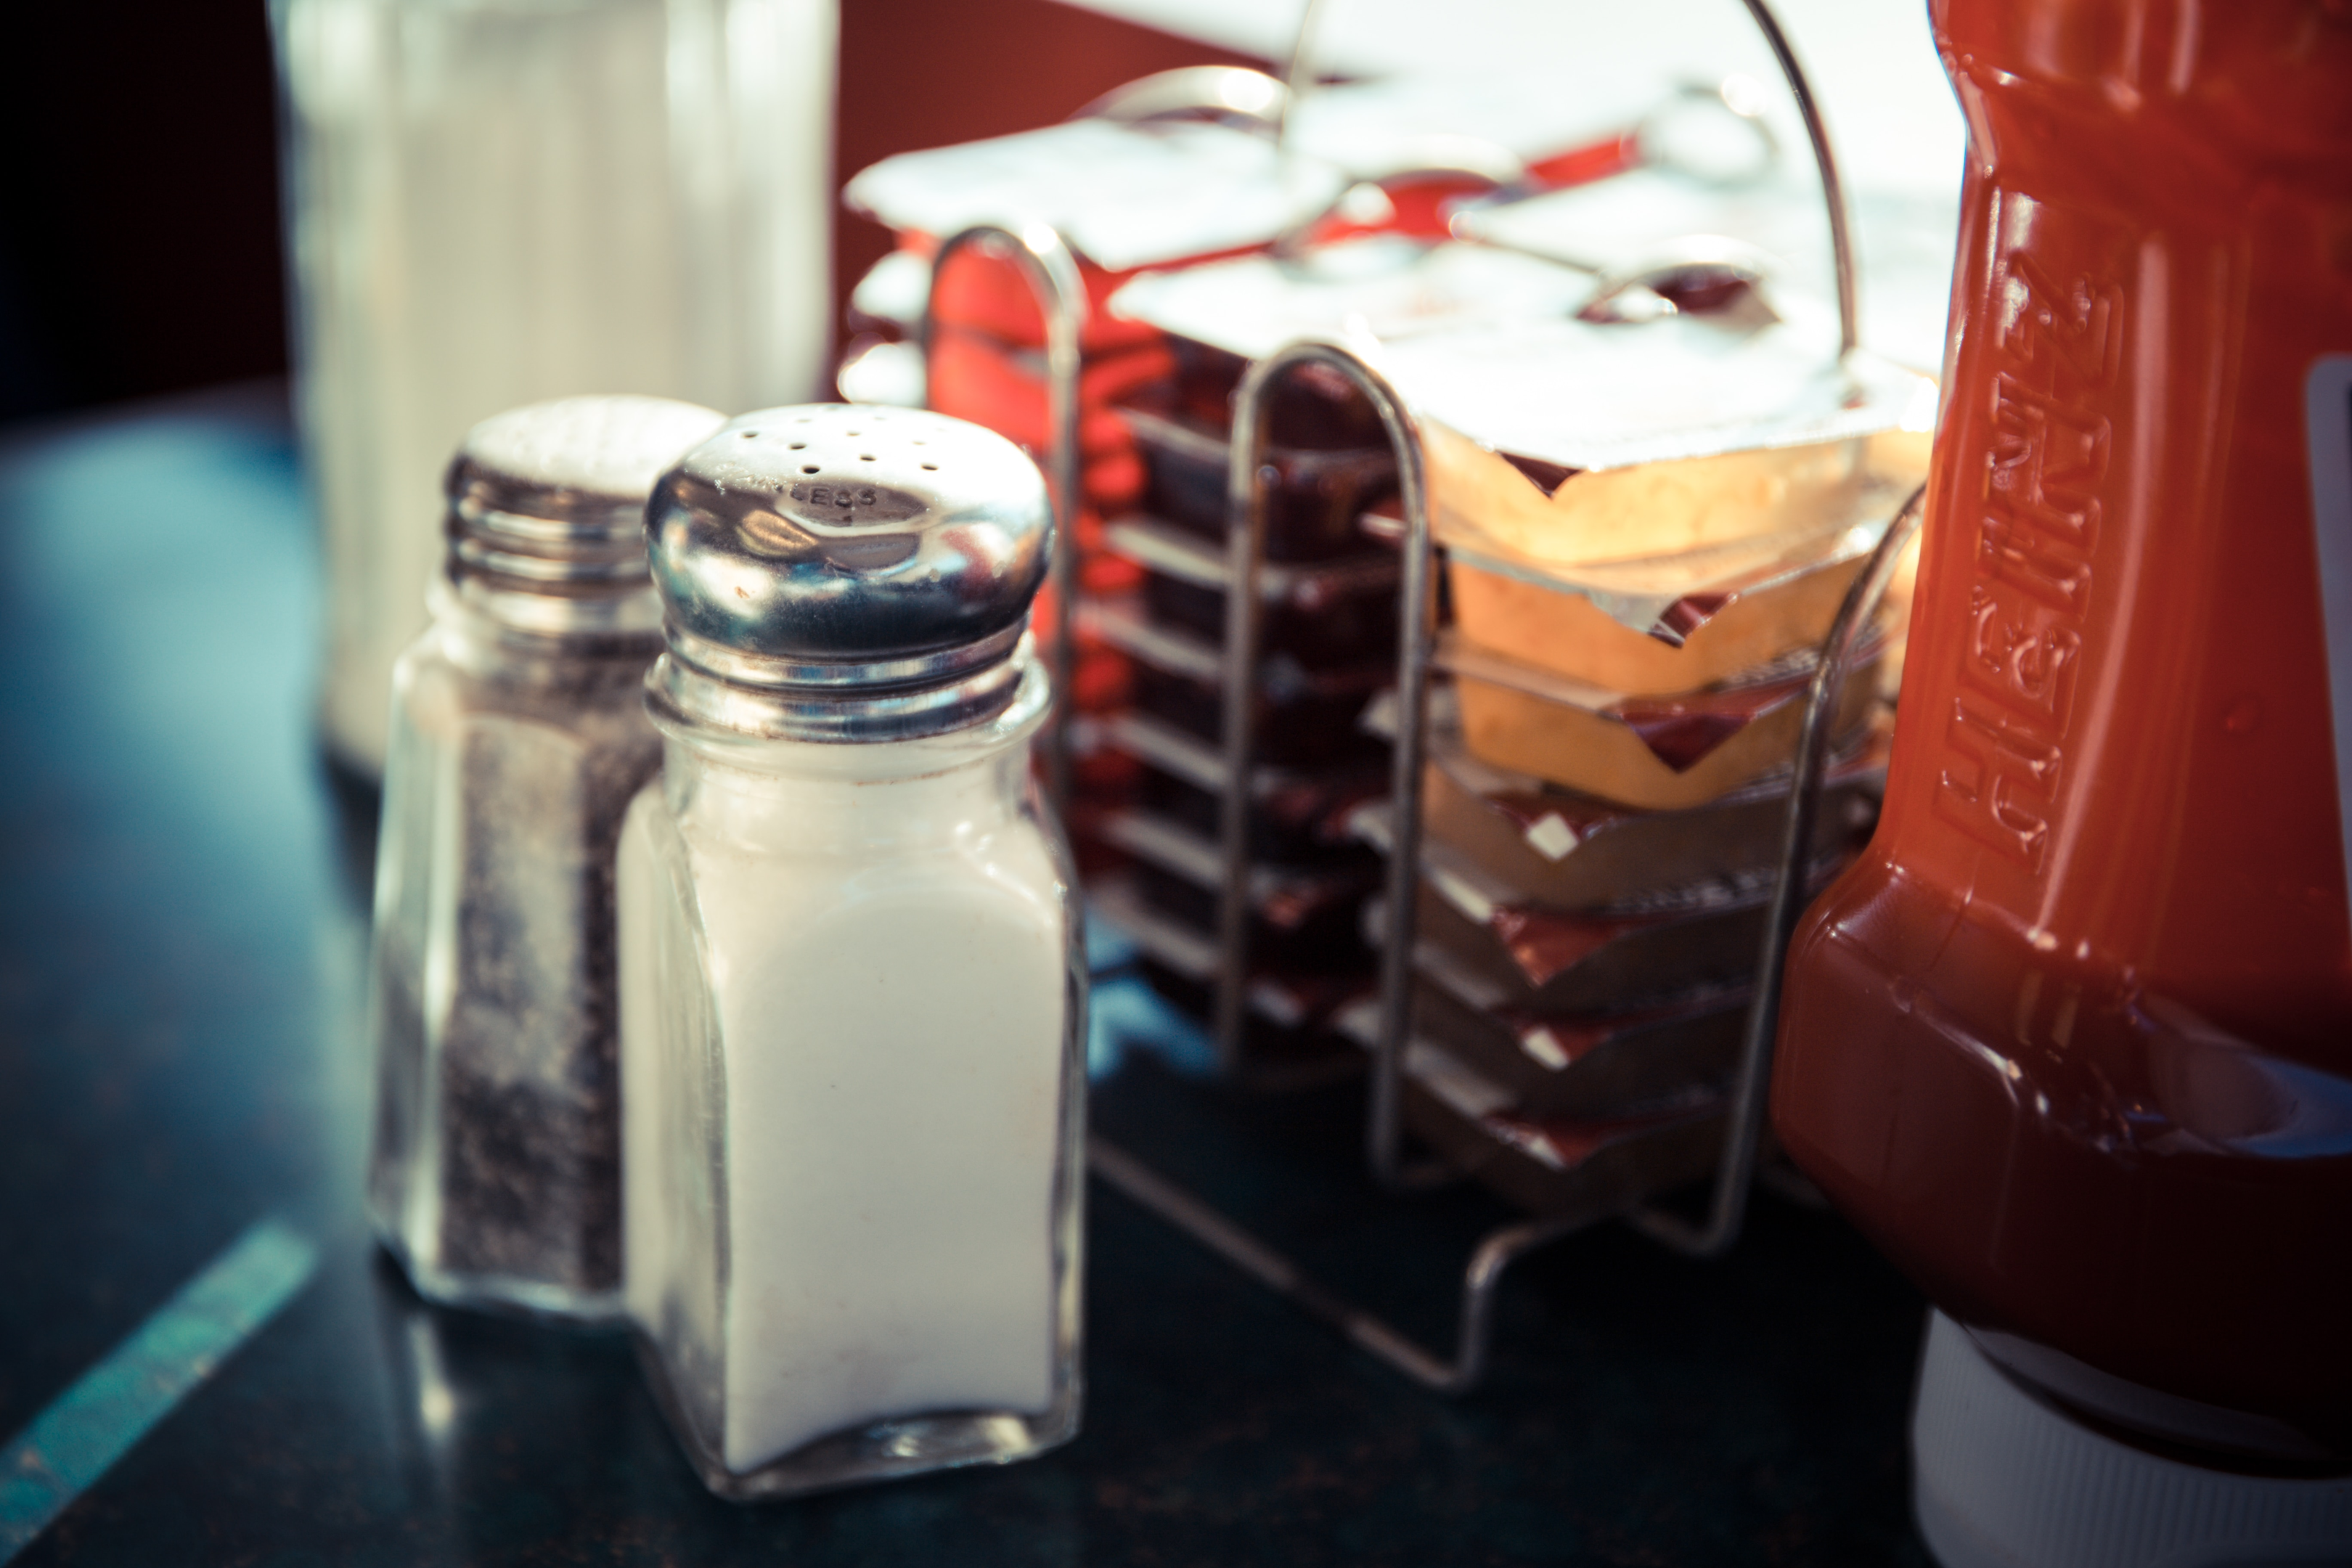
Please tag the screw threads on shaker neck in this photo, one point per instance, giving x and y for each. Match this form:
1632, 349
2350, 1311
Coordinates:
546, 511
680, 693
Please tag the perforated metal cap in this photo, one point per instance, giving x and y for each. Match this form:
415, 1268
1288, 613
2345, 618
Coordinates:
556, 490
546, 517
852, 554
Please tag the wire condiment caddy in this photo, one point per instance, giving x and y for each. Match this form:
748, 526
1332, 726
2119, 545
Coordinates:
1045, 262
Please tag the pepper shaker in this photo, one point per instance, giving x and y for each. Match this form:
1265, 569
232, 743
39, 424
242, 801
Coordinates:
852, 995
518, 738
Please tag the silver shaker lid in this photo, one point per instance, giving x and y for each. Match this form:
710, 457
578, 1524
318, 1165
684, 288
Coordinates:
867, 571
546, 516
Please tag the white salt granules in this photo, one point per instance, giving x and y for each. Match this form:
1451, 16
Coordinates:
885, 1007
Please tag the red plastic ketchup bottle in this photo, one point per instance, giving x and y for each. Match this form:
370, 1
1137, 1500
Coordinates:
2073, 1042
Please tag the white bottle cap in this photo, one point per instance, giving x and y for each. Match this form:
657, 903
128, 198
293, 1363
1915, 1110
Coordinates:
2003, 1480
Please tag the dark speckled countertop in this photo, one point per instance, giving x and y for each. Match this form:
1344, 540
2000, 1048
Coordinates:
181, 938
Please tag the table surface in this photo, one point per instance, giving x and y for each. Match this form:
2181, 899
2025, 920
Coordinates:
182, 938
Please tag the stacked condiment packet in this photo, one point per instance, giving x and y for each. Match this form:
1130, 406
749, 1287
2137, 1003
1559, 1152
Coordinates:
1639, 569
1328, 626
1571, 1163
1574, 851
1661, 945
1630, 654
1328, 648
1658, 753
1648, 524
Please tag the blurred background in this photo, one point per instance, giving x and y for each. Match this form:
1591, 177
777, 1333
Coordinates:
139, 194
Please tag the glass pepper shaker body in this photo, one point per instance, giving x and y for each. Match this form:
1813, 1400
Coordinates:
518, 740
852, 992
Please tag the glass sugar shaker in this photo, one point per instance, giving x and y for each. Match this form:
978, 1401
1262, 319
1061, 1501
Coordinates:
492, 202
852, 995
518, 738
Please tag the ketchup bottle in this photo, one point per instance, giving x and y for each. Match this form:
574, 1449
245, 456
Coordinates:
2073, 1042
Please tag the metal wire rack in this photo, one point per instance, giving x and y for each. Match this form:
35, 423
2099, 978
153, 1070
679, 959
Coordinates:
1045, 260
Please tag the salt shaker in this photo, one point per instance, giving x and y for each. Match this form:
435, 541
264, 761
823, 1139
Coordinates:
852, 997
518, 738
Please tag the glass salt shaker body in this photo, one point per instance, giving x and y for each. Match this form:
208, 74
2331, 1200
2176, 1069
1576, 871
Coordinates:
852, 987
518, 738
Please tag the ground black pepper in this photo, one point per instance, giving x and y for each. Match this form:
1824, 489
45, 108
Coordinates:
523, 1141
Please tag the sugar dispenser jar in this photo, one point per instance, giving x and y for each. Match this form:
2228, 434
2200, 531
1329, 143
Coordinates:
492, 202
852, 999
518, 737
